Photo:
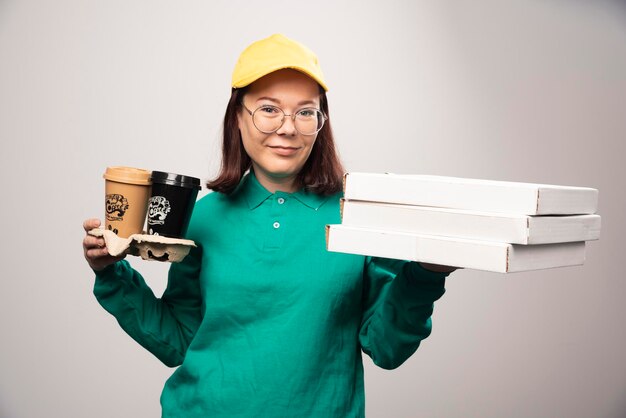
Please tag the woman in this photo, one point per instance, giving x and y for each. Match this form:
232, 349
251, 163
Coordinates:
262, 320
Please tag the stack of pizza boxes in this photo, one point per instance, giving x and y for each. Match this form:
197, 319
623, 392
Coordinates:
477, 224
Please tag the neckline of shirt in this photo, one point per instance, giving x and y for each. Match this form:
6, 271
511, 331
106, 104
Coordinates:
256, 194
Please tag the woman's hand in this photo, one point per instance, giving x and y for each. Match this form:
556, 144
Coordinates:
438, 268
95, 249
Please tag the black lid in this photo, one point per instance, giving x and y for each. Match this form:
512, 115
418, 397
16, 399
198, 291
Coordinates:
175, 180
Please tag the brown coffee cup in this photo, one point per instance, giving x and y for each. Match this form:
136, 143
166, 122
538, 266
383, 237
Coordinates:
127, 192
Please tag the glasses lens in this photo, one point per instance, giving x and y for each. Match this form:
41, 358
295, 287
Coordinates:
268, 119
309, 121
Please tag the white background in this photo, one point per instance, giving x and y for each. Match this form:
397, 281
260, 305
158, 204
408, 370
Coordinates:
523, 90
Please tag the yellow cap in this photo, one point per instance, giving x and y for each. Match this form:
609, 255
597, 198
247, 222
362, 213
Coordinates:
272, 54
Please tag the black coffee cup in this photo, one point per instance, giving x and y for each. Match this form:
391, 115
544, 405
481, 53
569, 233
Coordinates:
172, 200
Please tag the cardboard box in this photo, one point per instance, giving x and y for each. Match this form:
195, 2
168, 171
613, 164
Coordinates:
457, 252
482, 226
471, 194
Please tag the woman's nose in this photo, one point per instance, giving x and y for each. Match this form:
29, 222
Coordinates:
288, 127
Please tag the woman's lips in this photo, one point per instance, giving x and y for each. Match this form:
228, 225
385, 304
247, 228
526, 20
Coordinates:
284, 151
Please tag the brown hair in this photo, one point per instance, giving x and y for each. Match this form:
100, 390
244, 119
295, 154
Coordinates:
321, 174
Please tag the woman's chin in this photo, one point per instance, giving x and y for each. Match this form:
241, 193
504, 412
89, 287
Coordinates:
282, 171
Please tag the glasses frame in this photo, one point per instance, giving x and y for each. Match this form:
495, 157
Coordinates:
282, 121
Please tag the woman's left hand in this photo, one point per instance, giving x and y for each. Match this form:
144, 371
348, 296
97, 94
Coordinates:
438, 268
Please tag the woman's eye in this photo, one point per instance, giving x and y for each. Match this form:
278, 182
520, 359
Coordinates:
306, 113
268, 109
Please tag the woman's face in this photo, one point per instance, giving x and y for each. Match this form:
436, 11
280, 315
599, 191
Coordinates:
278, 157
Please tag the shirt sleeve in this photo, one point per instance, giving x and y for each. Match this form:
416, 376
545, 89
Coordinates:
398, 301
164, 326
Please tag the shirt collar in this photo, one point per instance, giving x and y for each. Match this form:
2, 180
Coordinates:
312, 200
255, 194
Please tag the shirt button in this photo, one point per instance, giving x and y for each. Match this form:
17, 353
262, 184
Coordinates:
281, 200
276, 225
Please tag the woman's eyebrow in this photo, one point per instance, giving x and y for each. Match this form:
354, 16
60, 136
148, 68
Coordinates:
272, 99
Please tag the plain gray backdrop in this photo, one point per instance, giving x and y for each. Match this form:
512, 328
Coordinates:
523, 90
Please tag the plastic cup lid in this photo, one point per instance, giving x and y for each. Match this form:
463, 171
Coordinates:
175, 180
128, 175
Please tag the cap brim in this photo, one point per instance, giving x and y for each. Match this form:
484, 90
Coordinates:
246, 81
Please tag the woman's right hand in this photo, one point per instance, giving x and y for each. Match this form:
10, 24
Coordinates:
95, 249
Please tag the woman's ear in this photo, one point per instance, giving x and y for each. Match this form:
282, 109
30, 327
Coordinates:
239, 119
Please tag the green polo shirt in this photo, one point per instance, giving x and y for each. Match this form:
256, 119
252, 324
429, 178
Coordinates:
262, 320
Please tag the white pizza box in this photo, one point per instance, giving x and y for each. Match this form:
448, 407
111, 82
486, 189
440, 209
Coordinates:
471, 194
482, 226
457, 252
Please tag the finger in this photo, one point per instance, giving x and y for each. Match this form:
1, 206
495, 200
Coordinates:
93, 242
96, 253
90, 224
109, 259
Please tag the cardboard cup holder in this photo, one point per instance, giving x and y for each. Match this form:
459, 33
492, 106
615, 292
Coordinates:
148, 247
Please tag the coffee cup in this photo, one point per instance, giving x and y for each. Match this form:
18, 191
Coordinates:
171, 203
127, 191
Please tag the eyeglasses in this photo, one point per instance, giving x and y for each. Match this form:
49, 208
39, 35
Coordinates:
269, 119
